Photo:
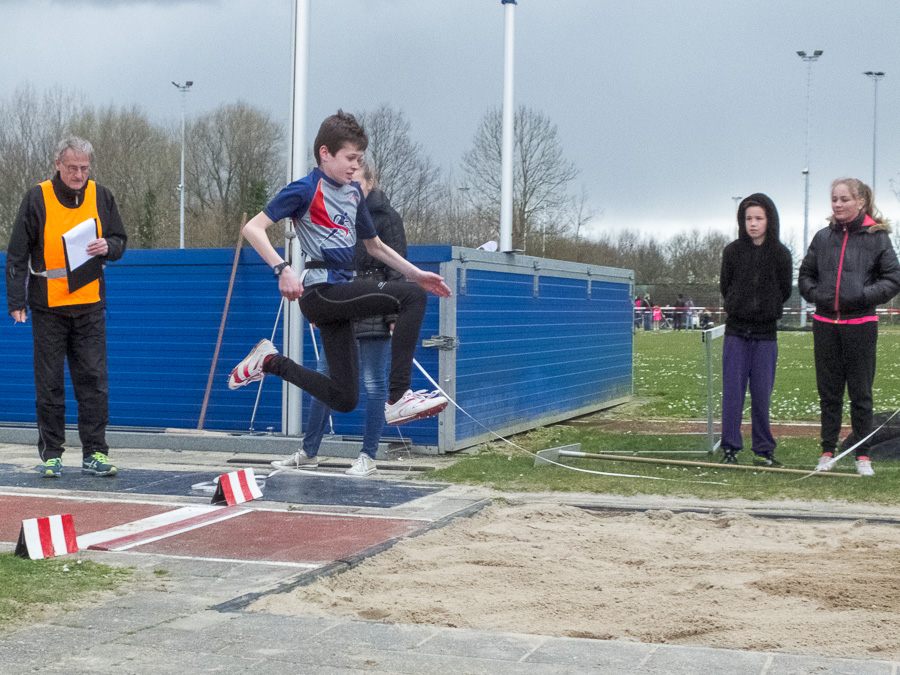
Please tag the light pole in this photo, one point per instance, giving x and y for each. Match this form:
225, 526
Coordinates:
809, 59
183, 88
506, 157
874, 76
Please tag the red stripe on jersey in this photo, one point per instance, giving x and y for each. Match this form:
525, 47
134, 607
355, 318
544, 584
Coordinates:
318, 214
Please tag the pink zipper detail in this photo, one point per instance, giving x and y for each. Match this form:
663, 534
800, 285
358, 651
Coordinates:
837, 291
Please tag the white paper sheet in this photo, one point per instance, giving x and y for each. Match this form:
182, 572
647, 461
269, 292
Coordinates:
76, 241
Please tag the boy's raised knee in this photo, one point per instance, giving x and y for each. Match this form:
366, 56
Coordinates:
345, 404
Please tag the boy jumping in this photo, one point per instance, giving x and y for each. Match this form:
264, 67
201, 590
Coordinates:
329, 213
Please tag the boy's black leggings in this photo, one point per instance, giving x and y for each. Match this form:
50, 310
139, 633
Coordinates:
845, 357
334, 308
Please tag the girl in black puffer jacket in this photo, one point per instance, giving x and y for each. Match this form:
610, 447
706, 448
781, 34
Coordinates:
849, 269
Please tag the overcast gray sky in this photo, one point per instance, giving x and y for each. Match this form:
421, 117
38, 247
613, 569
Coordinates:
669, 109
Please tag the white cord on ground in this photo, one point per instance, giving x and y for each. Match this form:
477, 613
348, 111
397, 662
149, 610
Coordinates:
834, 460
548, 461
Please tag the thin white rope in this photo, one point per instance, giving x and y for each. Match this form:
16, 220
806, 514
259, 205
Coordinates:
544, 459
263, 378
834, 460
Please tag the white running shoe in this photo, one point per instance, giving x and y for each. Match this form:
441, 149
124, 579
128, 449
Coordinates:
298, 460
414, 406
250, 369
826, 463
864, 467
363, 466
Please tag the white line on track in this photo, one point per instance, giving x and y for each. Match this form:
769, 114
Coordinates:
180, 530
271, 563
252, 506
130, 532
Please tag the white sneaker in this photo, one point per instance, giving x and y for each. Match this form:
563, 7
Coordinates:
826, 463
298, 460
363, 466
864, 467
250, 369
414, 406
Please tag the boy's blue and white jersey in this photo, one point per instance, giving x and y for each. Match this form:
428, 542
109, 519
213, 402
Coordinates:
328, 218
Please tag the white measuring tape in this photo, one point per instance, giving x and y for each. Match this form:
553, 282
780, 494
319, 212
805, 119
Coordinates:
834, 460
544, 459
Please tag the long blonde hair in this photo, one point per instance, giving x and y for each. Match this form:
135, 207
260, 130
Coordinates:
861, 191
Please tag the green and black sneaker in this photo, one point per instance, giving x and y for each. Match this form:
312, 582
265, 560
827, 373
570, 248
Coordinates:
98, 464
52, 468
730, 456
766, 460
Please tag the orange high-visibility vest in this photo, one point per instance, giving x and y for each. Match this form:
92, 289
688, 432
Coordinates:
60, 220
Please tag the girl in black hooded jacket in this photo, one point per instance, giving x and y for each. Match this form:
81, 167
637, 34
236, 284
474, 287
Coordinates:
755, 282
849, 269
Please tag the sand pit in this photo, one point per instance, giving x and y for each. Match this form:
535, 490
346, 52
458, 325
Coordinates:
727, 581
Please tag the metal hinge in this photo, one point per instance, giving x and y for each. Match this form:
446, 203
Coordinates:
445, 342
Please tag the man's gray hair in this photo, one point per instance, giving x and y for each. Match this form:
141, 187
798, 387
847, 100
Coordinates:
77, 145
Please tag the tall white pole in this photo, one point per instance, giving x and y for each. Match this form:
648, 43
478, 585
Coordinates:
874, 76
809, 59
184, 89
291, 396
181, 184
506, 164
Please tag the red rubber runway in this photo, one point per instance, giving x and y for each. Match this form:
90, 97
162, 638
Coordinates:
89, 516
235, 533
278, 536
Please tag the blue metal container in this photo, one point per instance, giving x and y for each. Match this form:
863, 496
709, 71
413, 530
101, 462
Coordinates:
522, 342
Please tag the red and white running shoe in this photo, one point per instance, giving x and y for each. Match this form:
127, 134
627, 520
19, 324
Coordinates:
250, 369
414, 406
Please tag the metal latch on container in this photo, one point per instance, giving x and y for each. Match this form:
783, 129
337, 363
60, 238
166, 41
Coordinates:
445, 342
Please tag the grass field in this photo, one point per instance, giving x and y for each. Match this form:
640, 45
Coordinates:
32, 586
670, 383
670, 370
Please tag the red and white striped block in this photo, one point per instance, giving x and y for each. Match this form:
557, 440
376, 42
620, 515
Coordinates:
47, 537
237, 487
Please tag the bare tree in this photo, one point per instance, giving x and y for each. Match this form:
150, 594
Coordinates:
644, 255
233, 163
695, 257
405, 173
30, 128
541, 173
139, 163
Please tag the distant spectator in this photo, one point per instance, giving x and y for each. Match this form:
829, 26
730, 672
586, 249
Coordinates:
648, 312
679, 312
657, 317
689, 313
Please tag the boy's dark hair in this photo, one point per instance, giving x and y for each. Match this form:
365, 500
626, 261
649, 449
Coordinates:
337, 130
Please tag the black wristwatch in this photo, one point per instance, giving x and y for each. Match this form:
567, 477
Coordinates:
278, 269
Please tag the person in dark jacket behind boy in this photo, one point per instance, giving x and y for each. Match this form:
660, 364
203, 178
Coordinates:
755, 282
849, 269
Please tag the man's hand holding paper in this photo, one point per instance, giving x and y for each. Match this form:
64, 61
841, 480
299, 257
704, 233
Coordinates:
97, 247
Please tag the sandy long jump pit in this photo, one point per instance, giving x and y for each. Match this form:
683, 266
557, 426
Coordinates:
730, 581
